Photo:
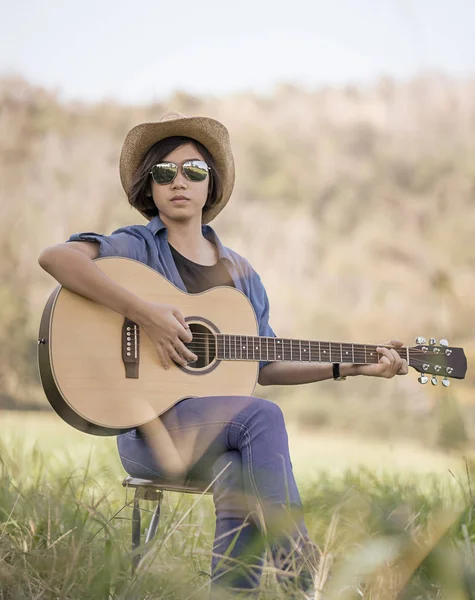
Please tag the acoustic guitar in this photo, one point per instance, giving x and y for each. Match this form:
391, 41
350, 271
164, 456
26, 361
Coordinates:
102, 377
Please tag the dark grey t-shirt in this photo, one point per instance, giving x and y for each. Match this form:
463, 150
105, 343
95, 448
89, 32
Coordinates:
198, 278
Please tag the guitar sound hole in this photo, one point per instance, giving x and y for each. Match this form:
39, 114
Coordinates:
203, 345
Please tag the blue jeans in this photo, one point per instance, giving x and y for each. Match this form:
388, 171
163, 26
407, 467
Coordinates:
244, 438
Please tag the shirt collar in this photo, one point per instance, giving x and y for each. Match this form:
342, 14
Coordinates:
156, 225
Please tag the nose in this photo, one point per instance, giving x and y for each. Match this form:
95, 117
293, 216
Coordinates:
180, 180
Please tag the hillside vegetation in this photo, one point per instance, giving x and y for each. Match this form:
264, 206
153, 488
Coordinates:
355, 205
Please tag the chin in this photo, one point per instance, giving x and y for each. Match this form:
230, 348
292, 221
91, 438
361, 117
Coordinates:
179, 217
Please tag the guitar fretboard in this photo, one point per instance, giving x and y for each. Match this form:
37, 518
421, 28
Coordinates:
242, 347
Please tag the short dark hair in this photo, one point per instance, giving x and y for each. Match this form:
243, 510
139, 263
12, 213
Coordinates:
140, 185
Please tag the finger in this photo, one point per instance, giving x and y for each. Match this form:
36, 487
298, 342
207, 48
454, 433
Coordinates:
184, 351
173, 354
395, 343
397, 361
163, 357
387, 360
404, 368
386, 353
184, 332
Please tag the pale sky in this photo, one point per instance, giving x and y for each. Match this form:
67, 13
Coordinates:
144, 50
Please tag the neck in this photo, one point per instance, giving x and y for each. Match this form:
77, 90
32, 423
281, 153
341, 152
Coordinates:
184, 234
187, 237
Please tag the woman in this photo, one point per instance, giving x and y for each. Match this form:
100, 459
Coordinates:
179, 173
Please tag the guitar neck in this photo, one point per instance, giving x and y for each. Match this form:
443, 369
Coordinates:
241, 347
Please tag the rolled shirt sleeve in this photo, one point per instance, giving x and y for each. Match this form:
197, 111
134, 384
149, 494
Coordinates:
123, 244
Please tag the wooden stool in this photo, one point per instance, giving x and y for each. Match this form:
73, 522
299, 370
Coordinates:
152, 490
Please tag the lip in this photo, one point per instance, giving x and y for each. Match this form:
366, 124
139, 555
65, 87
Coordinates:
179, 199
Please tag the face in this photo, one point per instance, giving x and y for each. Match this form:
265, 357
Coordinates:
195, 192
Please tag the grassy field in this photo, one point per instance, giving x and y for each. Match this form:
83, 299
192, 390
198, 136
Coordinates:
385, 516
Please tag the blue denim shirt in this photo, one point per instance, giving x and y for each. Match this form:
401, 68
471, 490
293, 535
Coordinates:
149, 245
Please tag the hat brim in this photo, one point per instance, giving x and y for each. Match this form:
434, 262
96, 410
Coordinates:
209, 132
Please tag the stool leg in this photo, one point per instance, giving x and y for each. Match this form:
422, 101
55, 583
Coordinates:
152, 530
135, 531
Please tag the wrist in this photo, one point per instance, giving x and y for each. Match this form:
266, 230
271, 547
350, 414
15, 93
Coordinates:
349, 370
137, 311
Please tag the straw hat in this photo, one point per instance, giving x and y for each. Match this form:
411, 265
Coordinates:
209, 132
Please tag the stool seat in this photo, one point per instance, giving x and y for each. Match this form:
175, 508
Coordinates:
157, 484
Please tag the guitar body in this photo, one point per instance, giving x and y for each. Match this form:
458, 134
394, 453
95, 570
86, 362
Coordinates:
81, 348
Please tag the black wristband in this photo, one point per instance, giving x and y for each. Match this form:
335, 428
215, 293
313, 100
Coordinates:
336, 372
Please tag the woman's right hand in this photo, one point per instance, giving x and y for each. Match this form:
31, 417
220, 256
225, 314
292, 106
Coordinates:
167, 329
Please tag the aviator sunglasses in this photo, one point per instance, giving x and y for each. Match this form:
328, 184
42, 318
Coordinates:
165, 172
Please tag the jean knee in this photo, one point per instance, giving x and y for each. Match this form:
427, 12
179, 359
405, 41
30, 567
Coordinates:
268, 412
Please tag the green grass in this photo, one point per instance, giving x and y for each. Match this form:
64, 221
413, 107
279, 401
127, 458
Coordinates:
378, 511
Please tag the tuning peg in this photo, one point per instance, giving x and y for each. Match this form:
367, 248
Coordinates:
420, 340
433, 380
445, 382
444, 342
432, 341
423, 379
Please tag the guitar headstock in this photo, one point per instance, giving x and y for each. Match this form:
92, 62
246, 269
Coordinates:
437, 360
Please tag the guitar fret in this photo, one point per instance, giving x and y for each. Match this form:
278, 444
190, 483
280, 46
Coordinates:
375, 354
325, 351
346, 353
284, 349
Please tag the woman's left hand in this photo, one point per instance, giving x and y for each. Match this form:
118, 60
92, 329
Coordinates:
389, 364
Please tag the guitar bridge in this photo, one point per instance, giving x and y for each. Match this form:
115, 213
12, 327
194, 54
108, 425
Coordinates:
131, 348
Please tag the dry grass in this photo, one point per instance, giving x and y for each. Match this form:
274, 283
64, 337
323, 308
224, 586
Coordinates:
378, 511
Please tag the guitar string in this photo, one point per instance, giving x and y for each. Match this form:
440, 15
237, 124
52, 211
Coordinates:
357, 359
225, 344
305, 342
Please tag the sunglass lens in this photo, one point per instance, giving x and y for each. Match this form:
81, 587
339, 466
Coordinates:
195, 170
164, 173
